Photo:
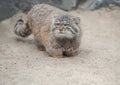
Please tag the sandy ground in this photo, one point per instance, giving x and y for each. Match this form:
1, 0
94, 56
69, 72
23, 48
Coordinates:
98, 62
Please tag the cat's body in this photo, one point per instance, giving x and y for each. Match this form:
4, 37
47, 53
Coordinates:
54, 30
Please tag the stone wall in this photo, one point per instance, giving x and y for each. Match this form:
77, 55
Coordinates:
10, 7
95, 4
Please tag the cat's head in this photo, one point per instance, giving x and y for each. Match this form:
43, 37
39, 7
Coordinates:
65, 26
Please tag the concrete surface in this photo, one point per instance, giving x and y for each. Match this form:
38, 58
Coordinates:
98, 62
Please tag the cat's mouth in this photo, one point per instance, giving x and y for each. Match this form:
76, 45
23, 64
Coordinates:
60, 35
61, 32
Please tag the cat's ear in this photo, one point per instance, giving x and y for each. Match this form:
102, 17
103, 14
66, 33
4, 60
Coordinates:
76, 20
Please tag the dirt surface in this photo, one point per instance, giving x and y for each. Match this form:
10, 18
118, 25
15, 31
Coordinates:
98, 62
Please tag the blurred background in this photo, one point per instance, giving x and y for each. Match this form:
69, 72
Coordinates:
10, 7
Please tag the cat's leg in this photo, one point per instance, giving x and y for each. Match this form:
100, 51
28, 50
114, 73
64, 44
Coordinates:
71, 53
39, 41
40, 47
55, 52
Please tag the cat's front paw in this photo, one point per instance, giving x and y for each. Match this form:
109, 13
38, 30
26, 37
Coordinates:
58, 56
57, 53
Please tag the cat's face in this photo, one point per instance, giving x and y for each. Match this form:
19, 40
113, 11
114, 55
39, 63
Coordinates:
65, 27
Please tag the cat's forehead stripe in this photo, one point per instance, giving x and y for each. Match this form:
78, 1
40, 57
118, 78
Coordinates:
65, 18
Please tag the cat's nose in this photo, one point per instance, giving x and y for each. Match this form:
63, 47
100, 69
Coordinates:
61, 28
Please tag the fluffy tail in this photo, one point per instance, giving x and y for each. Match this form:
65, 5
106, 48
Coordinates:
22, 29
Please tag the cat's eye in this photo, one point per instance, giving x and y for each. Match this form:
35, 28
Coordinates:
66, 24
57, 23
68, 28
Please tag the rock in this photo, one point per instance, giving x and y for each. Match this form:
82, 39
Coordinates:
95, 4
10, 7
64, 4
